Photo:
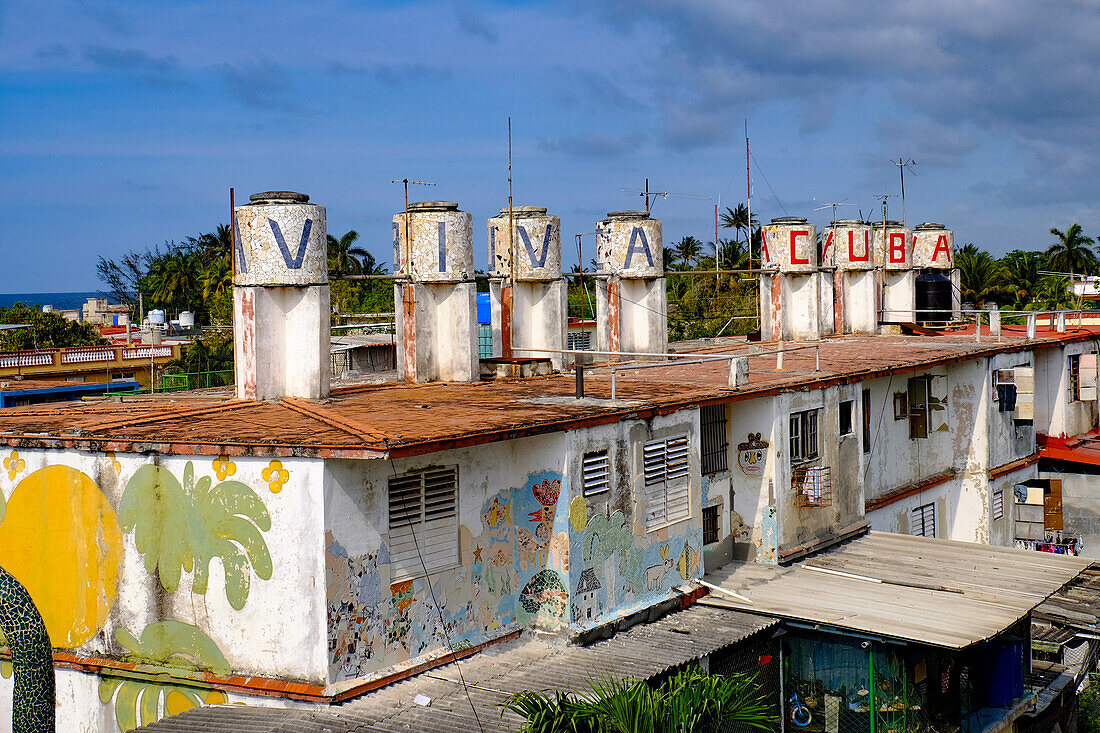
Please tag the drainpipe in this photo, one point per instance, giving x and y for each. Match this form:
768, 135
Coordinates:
31, 657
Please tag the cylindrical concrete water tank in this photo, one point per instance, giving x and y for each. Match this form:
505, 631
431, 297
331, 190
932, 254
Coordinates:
281, 240
893, 246
848, 245
187, 319
536, 239
933, 246
629, 244
156, 317
790, 245
441, 242
933, 296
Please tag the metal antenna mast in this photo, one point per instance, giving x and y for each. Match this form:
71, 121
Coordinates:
833, 205
663, 194
902, 164
406, 181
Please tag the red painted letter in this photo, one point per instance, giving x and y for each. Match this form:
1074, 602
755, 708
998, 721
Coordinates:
852, 257
941, 246
897, 247
795, 234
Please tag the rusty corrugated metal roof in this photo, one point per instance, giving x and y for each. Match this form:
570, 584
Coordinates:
491, 677
402, 419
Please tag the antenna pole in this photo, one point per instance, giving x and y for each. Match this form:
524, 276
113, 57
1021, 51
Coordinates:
408, 297
748, 194
647, 197
506, 289
902, 164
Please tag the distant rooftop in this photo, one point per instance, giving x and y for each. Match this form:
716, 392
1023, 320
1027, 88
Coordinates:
396, 419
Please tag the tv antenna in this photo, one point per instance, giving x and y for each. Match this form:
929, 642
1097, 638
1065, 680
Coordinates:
833, 205
882, 197
663, 194
902, 164
407, 183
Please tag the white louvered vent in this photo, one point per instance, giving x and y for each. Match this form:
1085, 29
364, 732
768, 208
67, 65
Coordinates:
423, 508
923, 521
596, 472
665, 470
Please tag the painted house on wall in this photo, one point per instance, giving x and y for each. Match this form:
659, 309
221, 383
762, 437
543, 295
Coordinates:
297, 544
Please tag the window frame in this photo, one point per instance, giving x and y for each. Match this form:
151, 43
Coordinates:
666, 478
927, 516
594, 472
804, 436
851, 410
429, 555
1074, 374
866, 406
714, 445
918, 409
712, 518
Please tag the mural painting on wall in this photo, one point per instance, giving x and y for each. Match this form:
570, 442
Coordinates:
620, 569
751, 454
163, 644
183, 526
511, 572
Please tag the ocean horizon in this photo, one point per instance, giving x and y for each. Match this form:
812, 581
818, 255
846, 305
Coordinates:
71, 300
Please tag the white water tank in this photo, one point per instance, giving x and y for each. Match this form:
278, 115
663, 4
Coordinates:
187, 319
441, 243
847, 245
790, 245
933, 246
536, 238
893, 245
629, 244
281, 240
156, 317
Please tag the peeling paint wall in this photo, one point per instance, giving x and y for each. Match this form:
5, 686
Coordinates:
752, 477
1055, 413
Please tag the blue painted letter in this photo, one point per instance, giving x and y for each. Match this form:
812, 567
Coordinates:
242, 263
540, 261
295, 262
634, 237
442, 246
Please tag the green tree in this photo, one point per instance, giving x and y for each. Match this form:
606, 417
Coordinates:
344, 257
979, 274
1072, 252
1019, 276
47, 330
691, 700
688, 250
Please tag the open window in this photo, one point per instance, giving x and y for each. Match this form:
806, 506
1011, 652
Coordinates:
1014, 392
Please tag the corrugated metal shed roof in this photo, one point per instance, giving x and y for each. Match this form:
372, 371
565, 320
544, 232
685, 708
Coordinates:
491, 677
1075, 606
939, 592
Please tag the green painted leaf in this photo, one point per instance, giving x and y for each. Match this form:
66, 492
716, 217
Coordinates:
155, 507
227, 522
150, 703
126, 705
174, 644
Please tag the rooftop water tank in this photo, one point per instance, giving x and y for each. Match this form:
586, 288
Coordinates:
441, 242
536, 239
790, 245
933, 246
629, 244
156, 317
848, 246
933, 297
187, 319
893, 246
281, 240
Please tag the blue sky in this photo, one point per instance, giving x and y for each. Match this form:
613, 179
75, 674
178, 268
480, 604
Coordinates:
124, 124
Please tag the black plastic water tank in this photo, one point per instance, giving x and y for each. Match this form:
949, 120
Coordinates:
933, 296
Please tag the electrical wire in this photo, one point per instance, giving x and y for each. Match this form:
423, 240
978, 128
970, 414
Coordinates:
774, 196
435, 601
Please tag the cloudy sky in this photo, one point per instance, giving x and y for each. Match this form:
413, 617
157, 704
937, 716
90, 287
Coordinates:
124, 124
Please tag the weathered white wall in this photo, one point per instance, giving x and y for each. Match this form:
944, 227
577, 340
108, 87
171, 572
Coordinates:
1081, 508
643, 315
69, 533
539, 316
899, 296
1055, 414
445, 332
752, 513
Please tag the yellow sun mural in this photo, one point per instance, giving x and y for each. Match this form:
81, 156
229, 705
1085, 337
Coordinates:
60, 538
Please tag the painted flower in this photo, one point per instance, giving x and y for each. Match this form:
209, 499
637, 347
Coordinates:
114, 462
275, 476
14, 464
224, 467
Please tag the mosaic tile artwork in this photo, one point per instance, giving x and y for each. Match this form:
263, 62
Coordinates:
32, 658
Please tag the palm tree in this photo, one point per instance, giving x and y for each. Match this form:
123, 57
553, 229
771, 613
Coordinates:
343, 255
1019, 276
737, 218
175, 280
671, 258
212, 246
1072, 252
691, 700
978, 274
688, 250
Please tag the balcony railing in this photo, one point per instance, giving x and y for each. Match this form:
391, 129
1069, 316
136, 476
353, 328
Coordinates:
83, 355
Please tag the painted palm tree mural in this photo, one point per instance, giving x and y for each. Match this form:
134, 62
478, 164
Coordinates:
182, 527
163, 644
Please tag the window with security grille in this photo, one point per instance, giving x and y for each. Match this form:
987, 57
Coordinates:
665, 472
710, 524
803, 436
423, 530
595, 472
1074, 377
923, 521
713, 455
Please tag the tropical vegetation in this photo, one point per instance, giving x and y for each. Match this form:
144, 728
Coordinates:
44, 330
691, 700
